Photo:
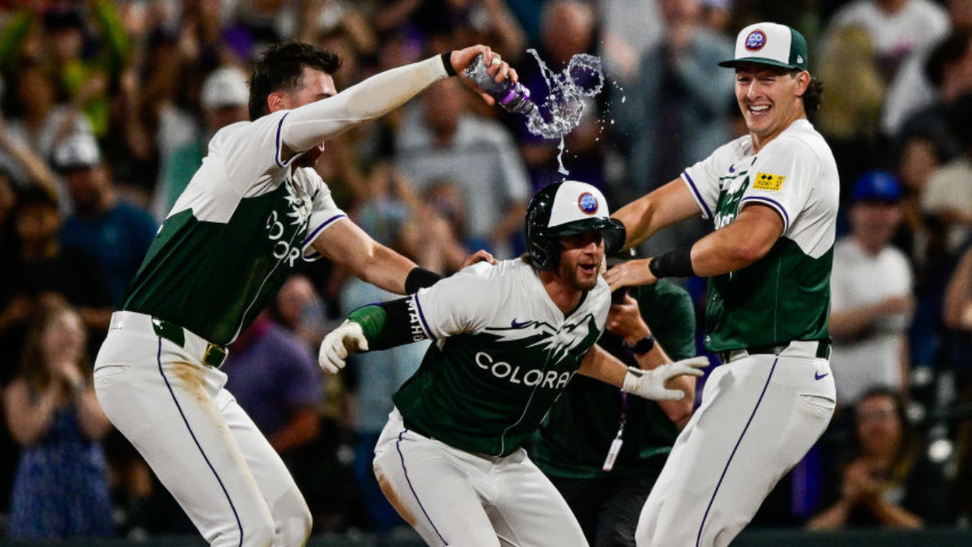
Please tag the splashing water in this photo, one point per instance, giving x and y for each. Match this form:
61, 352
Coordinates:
564, 105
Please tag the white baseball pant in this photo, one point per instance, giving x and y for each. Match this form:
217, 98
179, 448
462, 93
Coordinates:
196, 438
452, 497
759, 416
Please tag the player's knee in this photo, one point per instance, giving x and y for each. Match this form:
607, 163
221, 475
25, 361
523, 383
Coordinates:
294, 521
261, 534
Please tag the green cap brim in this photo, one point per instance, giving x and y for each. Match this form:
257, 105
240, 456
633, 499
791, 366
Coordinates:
733, 63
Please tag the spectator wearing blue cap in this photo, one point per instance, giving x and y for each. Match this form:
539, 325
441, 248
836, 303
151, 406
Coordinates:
871, 293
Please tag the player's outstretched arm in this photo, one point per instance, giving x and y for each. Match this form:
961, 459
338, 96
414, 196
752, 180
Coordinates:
371, 327
663, 207
649, 384
311, 124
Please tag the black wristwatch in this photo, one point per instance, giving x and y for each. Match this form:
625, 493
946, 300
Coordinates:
642, 346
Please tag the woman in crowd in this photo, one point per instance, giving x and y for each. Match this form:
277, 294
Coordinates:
61, 484
889, 482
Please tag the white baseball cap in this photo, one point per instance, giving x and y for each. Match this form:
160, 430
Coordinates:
578, 201
225, 87
78, 151
770, 44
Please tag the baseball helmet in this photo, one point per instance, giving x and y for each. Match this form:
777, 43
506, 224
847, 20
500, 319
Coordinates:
567, 208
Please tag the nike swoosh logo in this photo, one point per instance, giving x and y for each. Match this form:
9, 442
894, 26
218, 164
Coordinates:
516, 325
818, 376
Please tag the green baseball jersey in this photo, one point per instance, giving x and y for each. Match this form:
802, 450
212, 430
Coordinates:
573, 441
785, 295
246, 218
504, 352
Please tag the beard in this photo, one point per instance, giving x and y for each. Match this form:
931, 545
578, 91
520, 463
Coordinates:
571, 273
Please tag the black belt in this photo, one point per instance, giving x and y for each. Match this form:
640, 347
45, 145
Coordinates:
212, 357
823, 350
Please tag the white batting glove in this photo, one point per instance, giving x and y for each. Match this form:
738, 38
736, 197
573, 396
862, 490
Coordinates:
338, 344
650, 384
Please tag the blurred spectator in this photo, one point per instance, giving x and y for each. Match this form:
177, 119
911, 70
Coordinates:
37, 124
42, 272
628, 27
670, 119
913, 88
897, 27
948, 196
114, 232
462, 21
889, 481
428, 228
668, 100
440, 140
274, 378
225, 95
923, 238
957, 313
568, 27
871, 294
850, 120
84, 46
949, 72
61, 486
19, 156
717, 14
299, 309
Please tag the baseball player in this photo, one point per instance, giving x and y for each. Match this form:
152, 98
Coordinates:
772, 196
603, 449
253, 210
508, 339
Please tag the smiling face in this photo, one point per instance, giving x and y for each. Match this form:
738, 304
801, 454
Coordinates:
770, 99
580, 259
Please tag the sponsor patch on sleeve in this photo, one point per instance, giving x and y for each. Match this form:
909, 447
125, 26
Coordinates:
768, 181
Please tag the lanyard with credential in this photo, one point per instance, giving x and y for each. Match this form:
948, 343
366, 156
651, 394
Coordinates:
617, 442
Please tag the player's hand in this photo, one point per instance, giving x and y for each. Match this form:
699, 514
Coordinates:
627, 274
495, 66
338, 344
481, 255
650, 384
624, 320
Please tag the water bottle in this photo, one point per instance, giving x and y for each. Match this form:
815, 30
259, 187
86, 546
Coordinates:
511, 96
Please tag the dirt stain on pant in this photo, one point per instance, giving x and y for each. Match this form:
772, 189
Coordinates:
388, 490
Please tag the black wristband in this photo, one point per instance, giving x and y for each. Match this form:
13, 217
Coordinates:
677, 263
419, 278
642, 346
447, 63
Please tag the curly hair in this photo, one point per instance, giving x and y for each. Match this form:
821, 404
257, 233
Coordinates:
280, 69
812, 97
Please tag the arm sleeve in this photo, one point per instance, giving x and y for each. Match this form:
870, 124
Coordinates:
311, 124
782, 177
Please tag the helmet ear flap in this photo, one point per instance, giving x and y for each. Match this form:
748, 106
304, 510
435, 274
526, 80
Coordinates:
542, 252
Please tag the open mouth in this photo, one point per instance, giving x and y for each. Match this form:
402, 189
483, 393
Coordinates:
589, 269
757, 110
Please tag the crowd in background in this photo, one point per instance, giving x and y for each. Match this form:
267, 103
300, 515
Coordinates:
107, 107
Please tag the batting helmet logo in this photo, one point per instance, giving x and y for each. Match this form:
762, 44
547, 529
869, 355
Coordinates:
587, 203
756, 40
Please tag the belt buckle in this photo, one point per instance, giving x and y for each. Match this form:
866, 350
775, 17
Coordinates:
214, 356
